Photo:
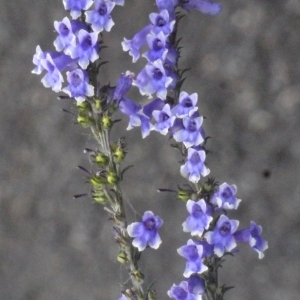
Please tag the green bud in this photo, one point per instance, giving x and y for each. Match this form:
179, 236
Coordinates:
99, 197
97, 104
122, 258
119, 155
112, 178
97, 181
101, 159
184, 195
84, 120
83, 106
106, 121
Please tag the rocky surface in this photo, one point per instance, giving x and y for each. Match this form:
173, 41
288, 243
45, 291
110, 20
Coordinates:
246, 69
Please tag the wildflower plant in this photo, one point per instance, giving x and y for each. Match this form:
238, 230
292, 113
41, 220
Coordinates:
170, 111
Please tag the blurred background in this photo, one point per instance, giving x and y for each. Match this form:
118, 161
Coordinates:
245, 66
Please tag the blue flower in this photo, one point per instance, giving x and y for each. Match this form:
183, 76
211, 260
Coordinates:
84, 48
145, 232
199, 218
225, 198
153, 79
194, 166
186, 106
193, 253
66, 32
136, 116
100, 17
137, 42
181, 292
204, 6
164, 119
78, 87
157, 45
252, 235
162, 22
190, 134
222, 237
76, 6
196, 284
123, 85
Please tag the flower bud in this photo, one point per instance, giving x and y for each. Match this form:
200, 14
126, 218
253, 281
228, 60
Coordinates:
106, 121
101, 159
122, 257
119, 155
83, 106
184, 195
123, 85
97, 180
112, 178
84, 120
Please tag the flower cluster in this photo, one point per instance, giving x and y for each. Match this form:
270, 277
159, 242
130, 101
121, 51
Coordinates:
77, 45
216, 235
159, 74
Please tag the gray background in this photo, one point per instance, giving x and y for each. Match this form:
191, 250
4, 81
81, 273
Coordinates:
246, 69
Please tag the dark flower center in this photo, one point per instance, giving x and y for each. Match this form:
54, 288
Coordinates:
157, 74
150, 224
76, 80
225, 228
192, 125
160, 21
187, 102
226, 193
63, 29
102, 9
164, 117
157, 45
86, 43
195, 159
197, 211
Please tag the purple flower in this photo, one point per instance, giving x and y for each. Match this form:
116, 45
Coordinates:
186, 106
85, 48
37, 59
136, 116
252, 236
138, 41
122, 297
199, 219
196, 285
225, 198
193, 253
181, 292
161, 22
204, 6
145, 232
66, 30
194, 166
190, 134
123, 85
153, 79
164, 119
222, 237
169, 5
53, 77
157, 45
78, 87
100, 17
76, 6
